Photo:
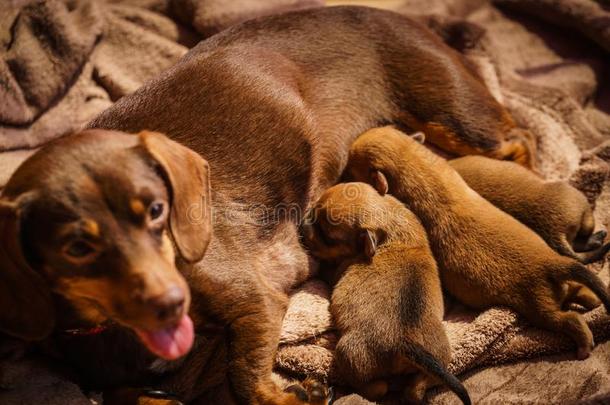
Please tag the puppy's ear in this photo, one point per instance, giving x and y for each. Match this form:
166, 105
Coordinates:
379, 182
419, 137
26, 308
369, 243
188, 176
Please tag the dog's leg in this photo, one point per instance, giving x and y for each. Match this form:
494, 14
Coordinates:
595, 241
519, 146
581, 295
415, 391
590, 246
375, 390
255, 338
203, 370
551, 317
583, 239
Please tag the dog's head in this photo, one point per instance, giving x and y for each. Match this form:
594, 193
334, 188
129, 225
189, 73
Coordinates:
346, 222
377, 157
89, 218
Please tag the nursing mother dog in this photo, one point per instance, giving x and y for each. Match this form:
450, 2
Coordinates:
101, 229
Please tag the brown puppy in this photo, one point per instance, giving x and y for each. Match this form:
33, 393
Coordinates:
558, 212
272, 105
486, 257
388, 304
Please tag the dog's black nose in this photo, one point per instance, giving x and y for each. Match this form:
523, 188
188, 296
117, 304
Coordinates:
169, 305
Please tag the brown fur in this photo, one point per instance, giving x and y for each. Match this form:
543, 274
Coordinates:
388, 298
272, 105
558, 212
486, 257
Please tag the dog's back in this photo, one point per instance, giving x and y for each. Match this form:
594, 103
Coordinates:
312, 82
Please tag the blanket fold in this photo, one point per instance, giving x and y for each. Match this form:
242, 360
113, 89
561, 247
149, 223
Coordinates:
50, 43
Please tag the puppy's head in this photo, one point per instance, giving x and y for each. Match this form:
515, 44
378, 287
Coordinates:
91, 218
346, 222
375, 156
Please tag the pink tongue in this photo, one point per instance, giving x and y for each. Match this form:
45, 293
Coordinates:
170, 343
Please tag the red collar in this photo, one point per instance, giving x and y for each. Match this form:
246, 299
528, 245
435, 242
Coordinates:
96, 330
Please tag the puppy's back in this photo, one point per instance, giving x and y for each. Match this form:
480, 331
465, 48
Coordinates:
555, 210
378, 306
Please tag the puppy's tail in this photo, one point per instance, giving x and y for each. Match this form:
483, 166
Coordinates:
579, 273
431, 366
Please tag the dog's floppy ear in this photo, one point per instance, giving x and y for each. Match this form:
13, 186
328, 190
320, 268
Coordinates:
189, 180
369, 243
26, 307
379, 182
419, 137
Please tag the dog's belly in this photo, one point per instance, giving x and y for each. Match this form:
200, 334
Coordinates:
284, 262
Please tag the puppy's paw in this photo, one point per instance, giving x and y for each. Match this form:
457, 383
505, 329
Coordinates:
311, 391
597, 239
299, 391
318, 392
583, 352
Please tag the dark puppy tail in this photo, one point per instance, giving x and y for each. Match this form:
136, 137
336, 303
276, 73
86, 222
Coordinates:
430, 365
579, 273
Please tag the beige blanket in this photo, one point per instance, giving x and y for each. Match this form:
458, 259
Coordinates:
553, 78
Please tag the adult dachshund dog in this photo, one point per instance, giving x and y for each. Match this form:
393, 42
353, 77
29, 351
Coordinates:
203, 175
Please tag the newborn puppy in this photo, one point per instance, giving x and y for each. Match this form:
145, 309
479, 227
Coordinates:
388, 304
558, 212
486, 257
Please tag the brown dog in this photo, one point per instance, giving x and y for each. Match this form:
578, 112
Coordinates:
388, 304
558, 212
486, 257
253, 101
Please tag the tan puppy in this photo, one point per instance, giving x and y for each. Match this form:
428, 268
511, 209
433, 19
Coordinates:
558, 212
388, 304
487, 258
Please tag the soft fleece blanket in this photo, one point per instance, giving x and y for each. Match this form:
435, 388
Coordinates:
547, 61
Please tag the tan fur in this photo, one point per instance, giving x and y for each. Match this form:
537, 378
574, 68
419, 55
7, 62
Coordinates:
486, 257
388, 295
555, 210
137, 207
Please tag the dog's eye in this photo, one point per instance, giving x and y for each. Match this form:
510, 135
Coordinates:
79, 249
156, 210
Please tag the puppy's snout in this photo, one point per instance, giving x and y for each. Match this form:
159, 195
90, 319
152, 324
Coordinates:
168, 306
